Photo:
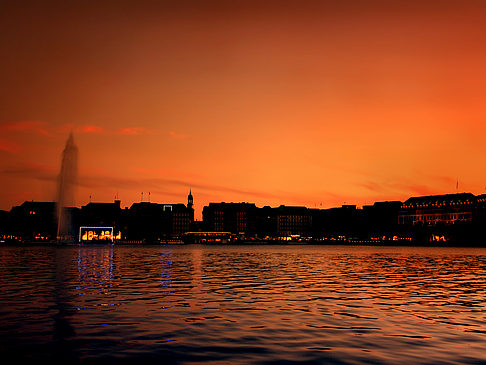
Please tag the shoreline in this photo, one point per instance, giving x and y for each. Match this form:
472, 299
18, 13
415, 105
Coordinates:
358, 243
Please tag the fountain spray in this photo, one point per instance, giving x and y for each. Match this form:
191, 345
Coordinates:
67, 180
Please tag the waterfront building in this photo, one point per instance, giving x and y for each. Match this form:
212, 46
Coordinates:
451, 217
293, 221
179, 218
238, 218
33, 221
381, 216
101, 214
3, 221
266, 222
153, 221
342, 221
438, 209
480, 213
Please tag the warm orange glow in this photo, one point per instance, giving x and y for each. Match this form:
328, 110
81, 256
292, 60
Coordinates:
313, 103
87, 234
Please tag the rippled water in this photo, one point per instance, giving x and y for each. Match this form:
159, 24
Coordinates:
244, 304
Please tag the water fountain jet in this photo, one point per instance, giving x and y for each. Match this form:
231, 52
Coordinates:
67, 181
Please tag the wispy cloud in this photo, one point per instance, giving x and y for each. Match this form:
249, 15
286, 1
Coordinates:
134, 131
46, 129
162, 184
7, 146
181, 173
31, 171
89, 129
28, 126
387, 188
97, 129
176, 135
100, 179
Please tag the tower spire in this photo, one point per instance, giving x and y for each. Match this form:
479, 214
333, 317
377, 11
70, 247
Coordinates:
190, 199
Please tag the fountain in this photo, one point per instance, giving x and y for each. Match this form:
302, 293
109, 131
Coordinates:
67, 180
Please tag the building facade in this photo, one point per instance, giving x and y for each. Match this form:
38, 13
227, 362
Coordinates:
237, 218
438, 209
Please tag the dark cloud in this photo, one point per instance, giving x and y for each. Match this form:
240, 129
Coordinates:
30, 171
159, 183
42, 172
392, 188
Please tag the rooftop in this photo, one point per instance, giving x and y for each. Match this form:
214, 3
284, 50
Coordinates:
439, 200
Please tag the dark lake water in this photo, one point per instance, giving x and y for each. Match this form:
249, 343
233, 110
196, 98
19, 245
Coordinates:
243, 304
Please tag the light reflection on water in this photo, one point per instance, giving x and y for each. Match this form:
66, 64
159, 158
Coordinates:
263, 304
95, 272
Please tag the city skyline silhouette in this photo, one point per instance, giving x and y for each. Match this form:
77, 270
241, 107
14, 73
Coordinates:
316, 103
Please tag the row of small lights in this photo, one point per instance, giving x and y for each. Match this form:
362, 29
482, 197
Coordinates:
436, 205
8, 237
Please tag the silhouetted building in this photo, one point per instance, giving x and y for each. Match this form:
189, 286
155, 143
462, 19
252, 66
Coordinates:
143, 221
190, 205
455, 218
266, 222
180, 218
230, 217
342, 221
247, 220
33, 221
293, 221
382, 216
480, 214
152, 221
190, 200
438, 209
101, 214
3, 221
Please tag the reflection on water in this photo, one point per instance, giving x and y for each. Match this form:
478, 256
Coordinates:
166, 278
95, 274
263, 304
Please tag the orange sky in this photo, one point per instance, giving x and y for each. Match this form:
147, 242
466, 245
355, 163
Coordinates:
272, 102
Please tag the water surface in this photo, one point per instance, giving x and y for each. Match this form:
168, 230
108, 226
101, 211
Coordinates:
243, 304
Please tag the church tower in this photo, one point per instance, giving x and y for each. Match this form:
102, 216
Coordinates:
190, 200
190, 204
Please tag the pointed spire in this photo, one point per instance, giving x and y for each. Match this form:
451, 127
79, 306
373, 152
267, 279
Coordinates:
70, 141
190, 199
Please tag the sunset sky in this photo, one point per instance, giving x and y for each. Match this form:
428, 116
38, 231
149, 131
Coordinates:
315, 103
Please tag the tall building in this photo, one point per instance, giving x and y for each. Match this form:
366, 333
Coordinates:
190, 199
190, 205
